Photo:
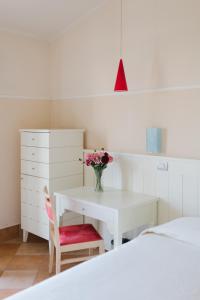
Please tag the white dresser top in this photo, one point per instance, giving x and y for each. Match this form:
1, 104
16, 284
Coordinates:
51, 130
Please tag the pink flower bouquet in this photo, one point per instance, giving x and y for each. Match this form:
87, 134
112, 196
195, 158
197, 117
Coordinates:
99, 161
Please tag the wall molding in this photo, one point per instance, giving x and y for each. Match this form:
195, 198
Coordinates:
192, 160
106, 94
131, 92
16, 97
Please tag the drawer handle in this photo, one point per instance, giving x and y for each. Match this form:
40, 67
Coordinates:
83, 209
33, 139
33, 154
33, 168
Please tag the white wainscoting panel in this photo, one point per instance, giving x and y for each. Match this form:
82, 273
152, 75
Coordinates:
175, 181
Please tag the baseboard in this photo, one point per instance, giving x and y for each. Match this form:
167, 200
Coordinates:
9, 233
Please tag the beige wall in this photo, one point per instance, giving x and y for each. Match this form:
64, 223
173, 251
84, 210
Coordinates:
161, 55
114, 123
24, 82
120, 124
24, 67
16, 114
161, 50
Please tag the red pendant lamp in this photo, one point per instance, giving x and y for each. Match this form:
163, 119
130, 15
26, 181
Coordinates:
121, 84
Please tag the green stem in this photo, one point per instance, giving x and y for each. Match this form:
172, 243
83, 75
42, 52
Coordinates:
98, 172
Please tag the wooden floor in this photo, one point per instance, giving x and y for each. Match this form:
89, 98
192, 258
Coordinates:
25, 264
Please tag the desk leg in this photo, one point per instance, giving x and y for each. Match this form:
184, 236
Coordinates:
155, 214
117, 234
117, 239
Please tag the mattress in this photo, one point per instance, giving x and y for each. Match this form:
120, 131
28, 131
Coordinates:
160, 264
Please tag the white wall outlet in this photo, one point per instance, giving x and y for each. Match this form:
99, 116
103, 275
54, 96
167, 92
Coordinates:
162, 166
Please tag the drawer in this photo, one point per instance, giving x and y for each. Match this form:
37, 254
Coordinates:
51, 170
27, 196
29, 211
34, 169
35, 154
35, 139
55, 155
35, 227
33, 183
35, 213
97, 212
31, 197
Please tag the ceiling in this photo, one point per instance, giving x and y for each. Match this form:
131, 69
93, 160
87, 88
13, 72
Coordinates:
43, 18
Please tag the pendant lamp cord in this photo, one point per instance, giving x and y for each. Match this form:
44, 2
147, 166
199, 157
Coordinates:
121, 30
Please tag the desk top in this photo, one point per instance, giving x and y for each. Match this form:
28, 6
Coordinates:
110, 197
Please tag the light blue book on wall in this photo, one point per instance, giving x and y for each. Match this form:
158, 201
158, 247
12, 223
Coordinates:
153, 140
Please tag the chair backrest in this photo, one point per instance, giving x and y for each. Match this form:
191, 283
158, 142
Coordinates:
49, 208
51, 213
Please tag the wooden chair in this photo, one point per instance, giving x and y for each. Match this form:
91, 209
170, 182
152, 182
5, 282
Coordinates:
69, 238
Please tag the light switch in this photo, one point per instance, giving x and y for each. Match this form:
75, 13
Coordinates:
162, 166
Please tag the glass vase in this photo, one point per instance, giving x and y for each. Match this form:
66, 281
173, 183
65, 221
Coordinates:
98, 174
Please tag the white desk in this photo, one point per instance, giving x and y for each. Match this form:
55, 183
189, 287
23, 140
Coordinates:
121, 210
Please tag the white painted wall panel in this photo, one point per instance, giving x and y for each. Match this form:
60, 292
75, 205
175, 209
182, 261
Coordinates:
162, 192
175, 181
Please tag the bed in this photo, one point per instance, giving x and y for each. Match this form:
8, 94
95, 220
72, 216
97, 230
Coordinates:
163, 263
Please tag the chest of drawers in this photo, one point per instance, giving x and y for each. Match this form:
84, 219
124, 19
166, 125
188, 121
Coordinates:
51, 158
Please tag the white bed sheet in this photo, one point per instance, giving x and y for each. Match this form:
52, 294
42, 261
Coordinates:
152, 267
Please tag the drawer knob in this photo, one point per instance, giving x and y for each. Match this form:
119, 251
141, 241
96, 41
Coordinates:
33, 168
33, 139
33, 154
83, 209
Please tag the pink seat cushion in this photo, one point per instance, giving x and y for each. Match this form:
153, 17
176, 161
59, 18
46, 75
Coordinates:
78, 234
